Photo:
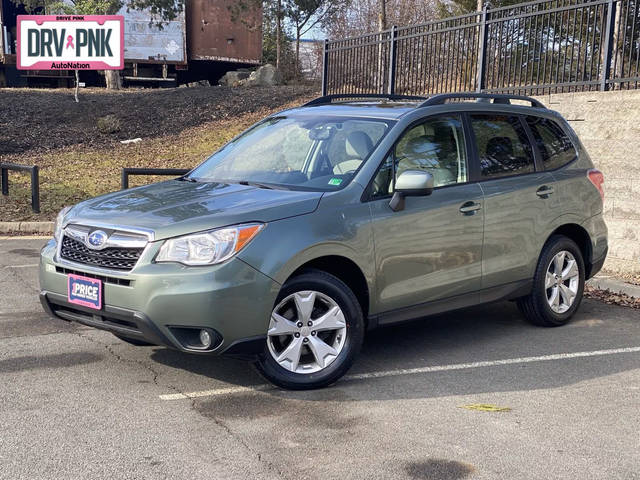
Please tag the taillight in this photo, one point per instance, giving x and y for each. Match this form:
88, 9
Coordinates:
597, 178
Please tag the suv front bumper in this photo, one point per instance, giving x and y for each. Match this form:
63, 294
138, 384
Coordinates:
152, 301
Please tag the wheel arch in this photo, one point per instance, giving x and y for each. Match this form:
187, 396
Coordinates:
346, 270
581, 237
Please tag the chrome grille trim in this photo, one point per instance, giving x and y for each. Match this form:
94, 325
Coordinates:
117, 239
119, 254
143, 232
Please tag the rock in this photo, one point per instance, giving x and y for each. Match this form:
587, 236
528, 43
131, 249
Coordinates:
200, 83
265, 76
231, 79
133, 140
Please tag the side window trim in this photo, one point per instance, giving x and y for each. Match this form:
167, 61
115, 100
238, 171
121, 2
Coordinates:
368, 195
476, 156
473, 159
537, 156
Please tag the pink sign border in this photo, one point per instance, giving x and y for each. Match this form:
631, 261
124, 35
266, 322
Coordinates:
77, 301
100, 19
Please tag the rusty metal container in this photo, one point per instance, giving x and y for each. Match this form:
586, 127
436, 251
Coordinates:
146, 42
212, 33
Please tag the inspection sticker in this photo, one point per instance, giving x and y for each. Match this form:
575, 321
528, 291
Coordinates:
335, 181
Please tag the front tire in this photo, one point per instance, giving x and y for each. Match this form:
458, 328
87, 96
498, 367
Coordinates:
558, 284
315, 333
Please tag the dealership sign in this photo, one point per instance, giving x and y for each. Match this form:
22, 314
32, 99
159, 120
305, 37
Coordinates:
70, 42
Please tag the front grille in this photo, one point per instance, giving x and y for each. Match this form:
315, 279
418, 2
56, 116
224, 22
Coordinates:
113, 257
113, 280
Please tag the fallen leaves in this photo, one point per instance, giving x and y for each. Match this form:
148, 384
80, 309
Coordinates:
486, 407
611, 298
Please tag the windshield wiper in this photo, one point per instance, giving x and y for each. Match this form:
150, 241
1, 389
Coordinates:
256, 184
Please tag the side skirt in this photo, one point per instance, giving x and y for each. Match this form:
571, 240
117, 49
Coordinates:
507, 291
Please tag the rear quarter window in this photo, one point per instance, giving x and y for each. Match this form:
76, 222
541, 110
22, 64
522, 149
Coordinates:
555, 146
503, 147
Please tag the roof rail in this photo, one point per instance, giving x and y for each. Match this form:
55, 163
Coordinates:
329, 98
500, 98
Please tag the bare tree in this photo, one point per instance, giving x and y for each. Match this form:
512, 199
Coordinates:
382, 26
306, 14
366, 16
382, 16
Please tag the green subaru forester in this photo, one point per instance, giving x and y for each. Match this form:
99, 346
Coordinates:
323, 221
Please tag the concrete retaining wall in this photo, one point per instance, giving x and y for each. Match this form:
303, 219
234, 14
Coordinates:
608, 123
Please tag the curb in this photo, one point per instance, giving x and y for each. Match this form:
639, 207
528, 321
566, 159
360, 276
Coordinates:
26, 227
605, 282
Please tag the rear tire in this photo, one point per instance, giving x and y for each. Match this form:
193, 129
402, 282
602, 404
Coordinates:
558, 284
315, 333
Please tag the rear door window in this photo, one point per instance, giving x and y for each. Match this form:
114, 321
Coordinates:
503, 145
556, 148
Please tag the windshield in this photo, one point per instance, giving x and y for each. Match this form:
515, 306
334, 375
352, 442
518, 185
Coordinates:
319, 153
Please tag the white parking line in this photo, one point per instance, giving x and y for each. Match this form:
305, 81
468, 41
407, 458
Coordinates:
413, 371
21, 266
213, 393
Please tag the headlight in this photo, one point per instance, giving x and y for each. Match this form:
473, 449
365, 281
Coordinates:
208, 248
57, 227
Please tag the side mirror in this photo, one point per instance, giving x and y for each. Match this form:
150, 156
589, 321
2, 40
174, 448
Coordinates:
411, 183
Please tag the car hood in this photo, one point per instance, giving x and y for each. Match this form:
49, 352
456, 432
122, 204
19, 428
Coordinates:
176, 207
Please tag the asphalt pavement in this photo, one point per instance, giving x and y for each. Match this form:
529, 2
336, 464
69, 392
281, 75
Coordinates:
475, 394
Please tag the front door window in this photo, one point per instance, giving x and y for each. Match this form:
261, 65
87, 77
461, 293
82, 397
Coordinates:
435, 145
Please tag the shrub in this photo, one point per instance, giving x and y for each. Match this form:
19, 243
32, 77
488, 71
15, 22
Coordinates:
108, 124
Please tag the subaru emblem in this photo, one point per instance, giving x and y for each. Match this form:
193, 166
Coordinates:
97, 239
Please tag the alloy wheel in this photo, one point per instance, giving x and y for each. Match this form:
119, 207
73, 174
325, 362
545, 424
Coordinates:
562, 281
307, 332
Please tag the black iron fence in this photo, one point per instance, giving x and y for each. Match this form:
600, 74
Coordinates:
539, 47
171, 172
33, 170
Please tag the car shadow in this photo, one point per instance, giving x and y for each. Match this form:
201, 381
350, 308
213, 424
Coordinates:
486, 333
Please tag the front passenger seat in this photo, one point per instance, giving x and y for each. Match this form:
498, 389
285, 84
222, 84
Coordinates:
358, 146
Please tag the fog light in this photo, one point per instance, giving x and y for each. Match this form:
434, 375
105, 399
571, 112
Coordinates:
205, 339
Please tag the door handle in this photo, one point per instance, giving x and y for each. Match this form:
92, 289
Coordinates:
469, 208
544, 191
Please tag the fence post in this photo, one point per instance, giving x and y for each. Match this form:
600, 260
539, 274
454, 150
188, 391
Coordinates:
482, 52
391, 88
608, 45
325, 66
35, 189
4, 176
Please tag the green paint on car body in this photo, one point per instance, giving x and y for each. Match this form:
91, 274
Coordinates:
462, 240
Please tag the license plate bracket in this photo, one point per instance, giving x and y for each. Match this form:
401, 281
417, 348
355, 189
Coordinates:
84, 291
